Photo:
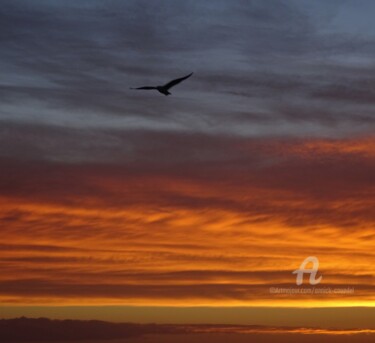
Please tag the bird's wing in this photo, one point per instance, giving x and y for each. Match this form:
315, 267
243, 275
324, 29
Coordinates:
144, 88
176, 81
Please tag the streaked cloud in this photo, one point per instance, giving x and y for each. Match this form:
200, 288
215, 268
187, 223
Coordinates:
208, 197
286, 68
253, 209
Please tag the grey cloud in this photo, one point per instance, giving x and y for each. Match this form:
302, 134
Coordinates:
257, 63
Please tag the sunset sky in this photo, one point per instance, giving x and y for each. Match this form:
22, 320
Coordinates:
131, 206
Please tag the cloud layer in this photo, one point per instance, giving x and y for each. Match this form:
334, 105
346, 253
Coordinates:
211, 196
179, 218
279, 68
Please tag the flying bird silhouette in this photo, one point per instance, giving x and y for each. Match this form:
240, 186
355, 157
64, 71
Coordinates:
165, 88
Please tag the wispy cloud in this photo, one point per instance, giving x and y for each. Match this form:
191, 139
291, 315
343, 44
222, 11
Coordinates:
256, 64
256, 208
210, 196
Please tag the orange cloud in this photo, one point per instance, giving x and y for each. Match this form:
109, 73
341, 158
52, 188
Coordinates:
220, 232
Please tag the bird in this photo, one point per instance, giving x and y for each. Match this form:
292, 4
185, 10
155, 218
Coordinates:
165, 88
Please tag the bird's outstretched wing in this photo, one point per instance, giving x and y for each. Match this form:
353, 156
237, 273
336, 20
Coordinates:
143, 88
176, 81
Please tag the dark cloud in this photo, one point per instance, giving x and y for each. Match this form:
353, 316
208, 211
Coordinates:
43, 329
198, 291
60, 165
269, 60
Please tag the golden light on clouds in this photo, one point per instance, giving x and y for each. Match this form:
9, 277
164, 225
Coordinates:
207, 235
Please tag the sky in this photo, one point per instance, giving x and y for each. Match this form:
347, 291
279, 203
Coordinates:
206, 198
